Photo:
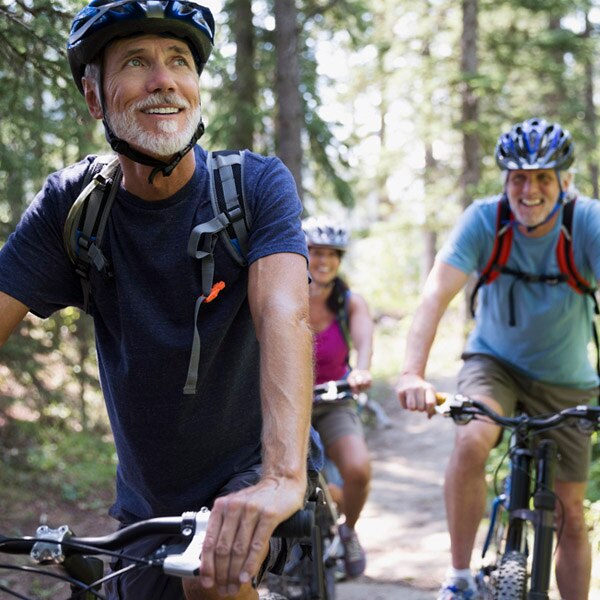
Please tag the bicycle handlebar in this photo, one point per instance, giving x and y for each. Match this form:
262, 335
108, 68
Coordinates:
461, 409
333, 391
55, 545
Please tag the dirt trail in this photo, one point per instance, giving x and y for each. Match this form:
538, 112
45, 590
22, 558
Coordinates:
403, 526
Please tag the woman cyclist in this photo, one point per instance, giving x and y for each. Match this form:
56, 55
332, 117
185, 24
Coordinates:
340, 319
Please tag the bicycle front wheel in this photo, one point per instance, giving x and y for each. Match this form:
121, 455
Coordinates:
510, 578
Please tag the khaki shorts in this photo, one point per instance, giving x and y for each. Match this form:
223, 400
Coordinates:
483, 375
333, 421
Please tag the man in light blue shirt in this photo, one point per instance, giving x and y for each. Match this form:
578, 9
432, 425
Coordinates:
533, 324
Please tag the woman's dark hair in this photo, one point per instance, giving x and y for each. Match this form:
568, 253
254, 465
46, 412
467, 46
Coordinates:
337, 297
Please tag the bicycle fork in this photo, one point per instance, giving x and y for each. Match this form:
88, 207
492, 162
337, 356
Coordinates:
544, 501
542, 515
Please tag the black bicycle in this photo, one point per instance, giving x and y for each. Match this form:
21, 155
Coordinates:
527, 500
78, 557
316, 563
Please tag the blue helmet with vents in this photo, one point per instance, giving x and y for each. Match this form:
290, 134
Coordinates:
103, 21
535, 144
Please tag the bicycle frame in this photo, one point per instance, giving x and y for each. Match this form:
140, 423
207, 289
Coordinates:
309, 576
541, 516
530, 498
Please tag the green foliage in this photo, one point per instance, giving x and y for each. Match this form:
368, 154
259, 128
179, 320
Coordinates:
58, 459
383, 142
42, 118
593, 492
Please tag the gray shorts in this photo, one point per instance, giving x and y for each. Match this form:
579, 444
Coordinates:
484, 375
153, 584
333, 421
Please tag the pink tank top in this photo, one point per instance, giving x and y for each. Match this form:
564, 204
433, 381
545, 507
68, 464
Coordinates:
331, 354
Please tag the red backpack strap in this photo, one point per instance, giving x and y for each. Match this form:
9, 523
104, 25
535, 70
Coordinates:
566, 264
500, 251
564, 252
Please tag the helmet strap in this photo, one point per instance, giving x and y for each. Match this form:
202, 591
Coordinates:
559, 202
160, 166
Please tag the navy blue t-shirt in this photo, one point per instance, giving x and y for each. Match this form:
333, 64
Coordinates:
175, 451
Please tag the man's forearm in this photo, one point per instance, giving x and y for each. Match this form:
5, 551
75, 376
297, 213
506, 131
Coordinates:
420, 339
286, 389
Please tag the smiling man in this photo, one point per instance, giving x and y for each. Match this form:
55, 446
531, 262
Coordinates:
238, 440
532, 327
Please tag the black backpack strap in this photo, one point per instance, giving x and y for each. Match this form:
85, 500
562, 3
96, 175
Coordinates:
230, 223
86, 221
226, 170
500, 251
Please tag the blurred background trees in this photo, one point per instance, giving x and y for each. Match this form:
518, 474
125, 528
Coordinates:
386, 112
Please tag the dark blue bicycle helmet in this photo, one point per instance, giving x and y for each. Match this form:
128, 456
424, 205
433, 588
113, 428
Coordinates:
103, 21
535, 144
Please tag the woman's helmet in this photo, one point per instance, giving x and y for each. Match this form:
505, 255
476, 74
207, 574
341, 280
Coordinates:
102, 21
535, 144
321, 231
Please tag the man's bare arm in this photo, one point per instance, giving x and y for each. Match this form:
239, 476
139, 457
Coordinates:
443, 283
12, 312
241, 523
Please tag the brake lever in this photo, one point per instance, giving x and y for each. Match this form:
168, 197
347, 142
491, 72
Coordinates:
451, 405
331, 393
187, 563
590, 424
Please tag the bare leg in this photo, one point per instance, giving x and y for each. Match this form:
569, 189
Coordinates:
573, 554
465, 487
337, 495
194, 591
351, 456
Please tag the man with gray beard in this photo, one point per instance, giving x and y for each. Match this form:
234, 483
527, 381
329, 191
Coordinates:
238, 443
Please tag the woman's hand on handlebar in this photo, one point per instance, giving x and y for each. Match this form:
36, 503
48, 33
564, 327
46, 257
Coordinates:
360, 380
414, 393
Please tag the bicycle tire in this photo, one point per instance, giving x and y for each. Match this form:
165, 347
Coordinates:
509, 581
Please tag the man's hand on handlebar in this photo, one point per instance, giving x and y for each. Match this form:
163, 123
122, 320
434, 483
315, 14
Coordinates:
414, 393
238, 532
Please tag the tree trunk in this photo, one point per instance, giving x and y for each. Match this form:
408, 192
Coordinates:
429, 228
471, 170
245, 82
289, 117
590, 116
470, 107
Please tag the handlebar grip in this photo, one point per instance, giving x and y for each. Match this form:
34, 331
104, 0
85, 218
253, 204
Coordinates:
299, 525
440, 398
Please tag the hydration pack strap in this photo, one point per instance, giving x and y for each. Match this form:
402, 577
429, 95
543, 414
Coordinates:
500, 251
86, 221
227, 200
226, 172
529, 278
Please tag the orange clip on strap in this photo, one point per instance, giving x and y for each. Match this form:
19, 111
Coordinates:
214, 292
